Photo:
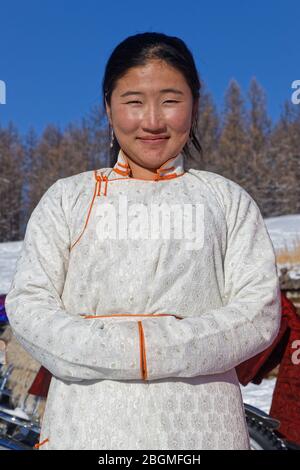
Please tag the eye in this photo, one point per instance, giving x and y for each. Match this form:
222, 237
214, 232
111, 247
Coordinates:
167, 101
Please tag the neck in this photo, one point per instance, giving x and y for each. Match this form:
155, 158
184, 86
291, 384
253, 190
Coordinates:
127, 168
138, 171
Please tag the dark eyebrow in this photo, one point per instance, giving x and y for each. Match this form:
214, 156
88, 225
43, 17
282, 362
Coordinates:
165, 90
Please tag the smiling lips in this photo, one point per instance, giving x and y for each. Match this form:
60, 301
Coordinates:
153, 140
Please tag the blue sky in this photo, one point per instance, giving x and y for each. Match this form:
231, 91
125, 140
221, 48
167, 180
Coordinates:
53, 53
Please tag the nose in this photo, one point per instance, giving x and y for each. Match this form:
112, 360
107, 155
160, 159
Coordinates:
153, 119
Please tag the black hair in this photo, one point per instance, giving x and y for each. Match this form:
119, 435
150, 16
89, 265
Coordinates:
138, 50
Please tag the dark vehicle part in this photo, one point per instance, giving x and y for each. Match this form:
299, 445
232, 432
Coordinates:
262, 430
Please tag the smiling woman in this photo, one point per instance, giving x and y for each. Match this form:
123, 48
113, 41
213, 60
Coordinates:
142, 336
154, 126
152, 102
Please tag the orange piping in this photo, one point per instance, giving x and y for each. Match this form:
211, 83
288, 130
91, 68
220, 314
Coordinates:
143, 358
144, 179
143, 361
41, 443
123, 173
165, 169
98, 179
157, 177
165, 177
123, 165
102, 177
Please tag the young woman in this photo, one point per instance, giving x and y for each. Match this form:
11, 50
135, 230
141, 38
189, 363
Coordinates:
139, 308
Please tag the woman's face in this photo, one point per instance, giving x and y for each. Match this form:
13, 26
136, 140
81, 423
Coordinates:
151, 102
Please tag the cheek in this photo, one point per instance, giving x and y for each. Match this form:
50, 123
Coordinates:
127, 120
178, 120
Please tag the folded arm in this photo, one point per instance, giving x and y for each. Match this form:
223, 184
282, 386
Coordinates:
219, 339
69, 346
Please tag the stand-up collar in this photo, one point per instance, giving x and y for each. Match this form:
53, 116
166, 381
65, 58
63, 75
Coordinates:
172, 168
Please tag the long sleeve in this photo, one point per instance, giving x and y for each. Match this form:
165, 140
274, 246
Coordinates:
69, 346
219, 339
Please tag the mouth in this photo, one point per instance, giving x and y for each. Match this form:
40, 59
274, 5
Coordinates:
153, 141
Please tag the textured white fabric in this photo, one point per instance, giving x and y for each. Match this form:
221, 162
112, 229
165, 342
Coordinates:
223, 302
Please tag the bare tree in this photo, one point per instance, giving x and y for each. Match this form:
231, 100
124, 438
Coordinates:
11, 180
234, 140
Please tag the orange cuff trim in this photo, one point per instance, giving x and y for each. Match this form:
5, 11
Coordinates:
143, 360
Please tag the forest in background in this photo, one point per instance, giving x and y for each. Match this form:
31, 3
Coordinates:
240, 142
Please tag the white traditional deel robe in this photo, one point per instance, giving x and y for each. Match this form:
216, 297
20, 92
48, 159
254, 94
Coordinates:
155, 368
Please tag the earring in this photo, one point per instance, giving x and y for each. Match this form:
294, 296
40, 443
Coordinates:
112, 138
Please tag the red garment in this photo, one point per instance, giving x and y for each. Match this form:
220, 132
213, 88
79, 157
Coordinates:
286, 397
41, 383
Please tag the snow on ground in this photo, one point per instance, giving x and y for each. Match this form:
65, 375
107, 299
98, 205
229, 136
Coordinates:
259, 395
285, 235
284, 231
9, 252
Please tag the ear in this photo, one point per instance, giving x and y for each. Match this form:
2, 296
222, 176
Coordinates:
108, 112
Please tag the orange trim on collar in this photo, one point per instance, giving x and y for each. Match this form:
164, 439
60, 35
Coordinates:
170, 172
164, 172
123, 173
